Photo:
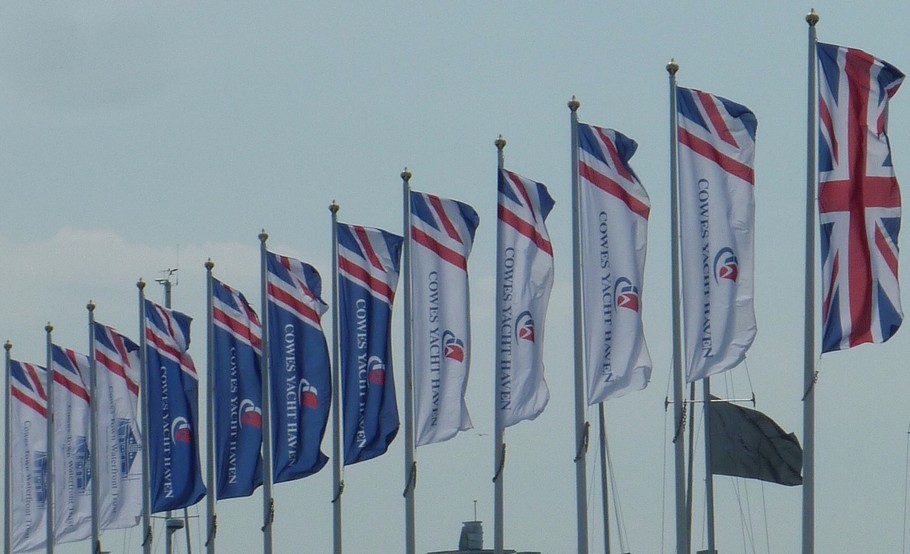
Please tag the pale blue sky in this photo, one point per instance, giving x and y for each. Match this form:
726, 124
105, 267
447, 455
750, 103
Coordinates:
138, 137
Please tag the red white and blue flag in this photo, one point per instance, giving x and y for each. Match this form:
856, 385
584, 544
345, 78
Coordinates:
717, 222
442, 234
614, 240
299, 368
368, 266
524, 279
28, 455
859, 200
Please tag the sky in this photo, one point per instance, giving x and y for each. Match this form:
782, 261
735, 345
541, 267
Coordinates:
140, 137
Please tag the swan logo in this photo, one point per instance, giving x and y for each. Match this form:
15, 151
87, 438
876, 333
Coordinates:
726, 265
250, 414
454, 346
376, 370
309, 396
524, 326
627, 295
181, 431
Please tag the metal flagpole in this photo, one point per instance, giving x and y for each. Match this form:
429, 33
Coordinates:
499, 448
709, 476
809, 307
50, 442
210, 412
690, 466
581, 426
682, 530
7, 475
93, 418
603, 475
267, 504
410, 466
144, 399
337, 483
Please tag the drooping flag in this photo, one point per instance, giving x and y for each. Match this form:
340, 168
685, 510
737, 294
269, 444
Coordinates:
72, 448
173, 410
859, 201
238, 393
717, 222
614, 238
368, 266
28, 456
119, 437
299, 368
524, 279
442, 234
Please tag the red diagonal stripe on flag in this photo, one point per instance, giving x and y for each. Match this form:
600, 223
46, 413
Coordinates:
376, 285
524, 228
368, 251
717, 120
613, 188
117, 369
728, 164
436, 203
445, 253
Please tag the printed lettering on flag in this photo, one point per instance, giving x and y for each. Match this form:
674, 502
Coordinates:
368, 266
442, 234
614, 236
717, 222
28, 456
858, 198
524, 279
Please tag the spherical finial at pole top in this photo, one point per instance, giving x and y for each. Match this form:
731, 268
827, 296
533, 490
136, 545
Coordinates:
812, 17
140, 284
48, 328
334, 207
8, 346
406, 175
672, 67
263, 236
209, 264
574, 104
90, 306
500, 143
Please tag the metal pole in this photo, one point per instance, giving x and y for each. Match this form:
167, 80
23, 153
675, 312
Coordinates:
144, 399
336, 389
682, 531
93, 418
604, 496
809, 306
210, 411
499, 445
690, 465
48, 329
581, 430
410, 466
709, 476
7, 463
266, 402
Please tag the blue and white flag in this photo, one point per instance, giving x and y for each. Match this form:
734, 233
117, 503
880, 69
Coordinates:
368, 266
173, 410
614, 241
442, 234
237, 337
717, 223
524, 279
28, 456
72, 449
299, 368
119, 438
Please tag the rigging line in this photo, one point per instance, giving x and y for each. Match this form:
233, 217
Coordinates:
617, 503
906, 479
749, 511
742, 519
764, 507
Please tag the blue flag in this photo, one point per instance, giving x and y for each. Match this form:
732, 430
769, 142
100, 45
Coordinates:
173, 410
299, 368
368, 266
237, 336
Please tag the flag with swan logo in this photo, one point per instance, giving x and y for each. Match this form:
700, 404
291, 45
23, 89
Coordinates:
28, 455
442, 234
614, 240
524, 279
859, 201
173, 410
717, 222
299, 368
237, 337
368, 265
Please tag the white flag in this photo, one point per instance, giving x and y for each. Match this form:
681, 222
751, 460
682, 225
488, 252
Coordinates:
524, 279
119, 439
614, 236
442, 233
28, 455
717, 215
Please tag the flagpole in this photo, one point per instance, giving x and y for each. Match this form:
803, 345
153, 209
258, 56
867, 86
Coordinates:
210, 412
267, 504
8, 475
682, 530
709, 476
410, 466
581, 427
499, 448
49, 504
93, 418
809, 306
603, 475
144, 399
337, 483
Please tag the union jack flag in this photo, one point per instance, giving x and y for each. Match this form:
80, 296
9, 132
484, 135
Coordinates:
296, 287
369, 258
71, 371
446, 227
119, 355
859, 200
168, 335
27, 385
232, 313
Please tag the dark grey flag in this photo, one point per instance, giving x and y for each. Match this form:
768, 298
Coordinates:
747, 443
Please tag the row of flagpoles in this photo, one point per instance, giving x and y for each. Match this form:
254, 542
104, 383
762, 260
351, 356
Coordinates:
274, 382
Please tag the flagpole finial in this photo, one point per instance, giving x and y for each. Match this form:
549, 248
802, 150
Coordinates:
90, 306
406, 175
209, 264
574, 104
48, 328
263, 236
8, 346
140, 284
672, 67
500, 143
812, 17
334, 207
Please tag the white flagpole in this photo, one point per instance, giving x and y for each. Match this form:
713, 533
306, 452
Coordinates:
809, 306
410, 466
7, 475
581, 426
682, 528
93, 418
603, 476
50, 441
212, 526
267, 504
499, 449
144, 400
709, 476
337, 483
